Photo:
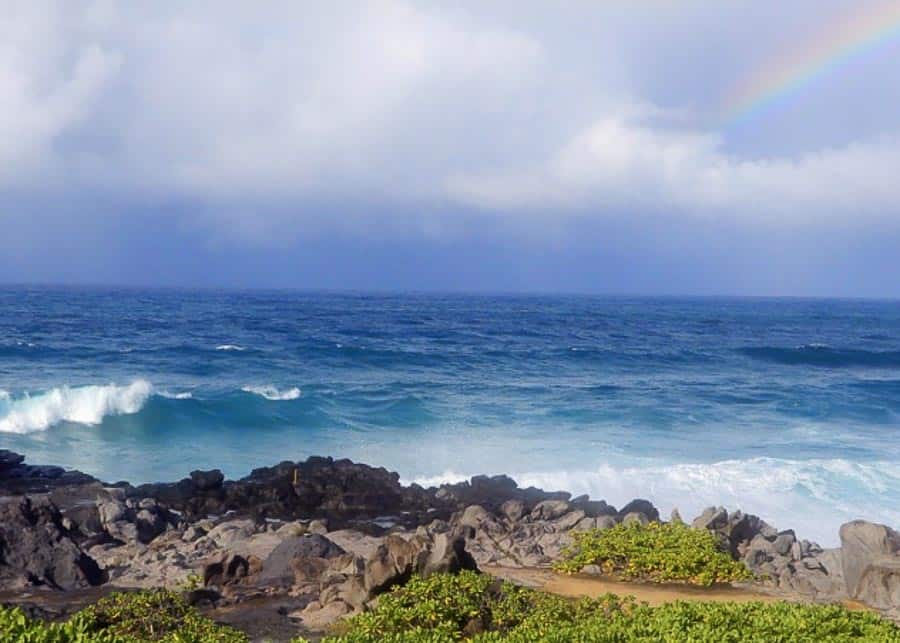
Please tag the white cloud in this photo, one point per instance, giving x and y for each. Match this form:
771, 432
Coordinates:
258, 111
49, 83
309, 101
623, 164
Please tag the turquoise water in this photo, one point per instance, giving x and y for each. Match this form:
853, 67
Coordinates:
787, 408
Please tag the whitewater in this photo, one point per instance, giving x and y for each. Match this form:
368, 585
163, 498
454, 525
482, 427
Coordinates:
786, 408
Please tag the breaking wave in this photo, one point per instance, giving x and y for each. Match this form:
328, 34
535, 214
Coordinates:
273, 394
83, 405
184, 395
91, 405
813, 497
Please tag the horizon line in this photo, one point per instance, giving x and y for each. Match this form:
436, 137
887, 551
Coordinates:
437, 291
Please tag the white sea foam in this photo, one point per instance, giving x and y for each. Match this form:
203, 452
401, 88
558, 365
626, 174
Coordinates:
185, 395
812, 497
83, 404
230, 347
271, 393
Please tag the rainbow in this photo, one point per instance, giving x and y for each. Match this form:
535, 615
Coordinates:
839, 42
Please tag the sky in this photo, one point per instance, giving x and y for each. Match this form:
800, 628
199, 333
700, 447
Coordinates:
624, 146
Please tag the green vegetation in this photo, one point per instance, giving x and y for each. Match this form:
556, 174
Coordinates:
442, 609
657, 552
136, 617
478, 609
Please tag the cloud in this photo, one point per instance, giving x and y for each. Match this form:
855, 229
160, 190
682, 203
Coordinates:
624, 163
215, 101
385, 116
50, 81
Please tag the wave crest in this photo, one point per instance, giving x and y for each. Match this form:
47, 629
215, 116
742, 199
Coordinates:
230, 347
813, 497
271, 393
83, 405
185, 395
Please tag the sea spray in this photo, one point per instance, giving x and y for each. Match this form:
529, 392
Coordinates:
82, 405
812, 497
272, 393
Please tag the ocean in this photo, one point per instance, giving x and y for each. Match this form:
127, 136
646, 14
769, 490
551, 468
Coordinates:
787, 408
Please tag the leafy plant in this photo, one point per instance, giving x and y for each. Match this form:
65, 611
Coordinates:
473, 607
656, 552
443, 609
135, 617
441, 605
192, 582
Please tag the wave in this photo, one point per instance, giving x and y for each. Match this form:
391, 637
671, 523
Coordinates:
186, 395
823, 355
83, 405
20, 348
90, 405
813, 497
230, 347
273, 394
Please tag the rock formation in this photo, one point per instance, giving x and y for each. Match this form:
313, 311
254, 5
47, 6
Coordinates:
325, 537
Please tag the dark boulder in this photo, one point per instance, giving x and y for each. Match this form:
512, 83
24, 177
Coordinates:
16, 477
207, 480
9, 459
397, 559
491, 492
36, 549
277, 567
640, 506
593, 508
340, 490
231, 569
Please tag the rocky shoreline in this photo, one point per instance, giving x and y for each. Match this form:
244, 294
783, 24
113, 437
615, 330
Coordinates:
291, 548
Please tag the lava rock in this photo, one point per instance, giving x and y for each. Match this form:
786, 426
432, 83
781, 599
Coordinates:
36, 549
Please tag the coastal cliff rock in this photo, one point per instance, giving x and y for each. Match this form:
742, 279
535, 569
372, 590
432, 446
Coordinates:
325, 537
16, 477
491, 492
36, 548
870, 558
778, 558
516, 535
340, 490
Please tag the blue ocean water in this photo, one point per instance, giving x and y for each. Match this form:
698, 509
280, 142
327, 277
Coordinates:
787, 408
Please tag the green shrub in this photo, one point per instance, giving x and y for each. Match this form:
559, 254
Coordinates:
657, 552
441, 604
443, 609
469, 606
15, 626
135, 617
